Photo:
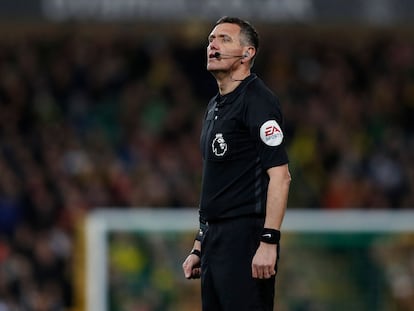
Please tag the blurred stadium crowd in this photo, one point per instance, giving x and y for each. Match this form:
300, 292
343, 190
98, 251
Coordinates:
113, 121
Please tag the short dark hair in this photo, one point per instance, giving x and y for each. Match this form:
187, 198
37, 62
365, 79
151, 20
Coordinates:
248, 32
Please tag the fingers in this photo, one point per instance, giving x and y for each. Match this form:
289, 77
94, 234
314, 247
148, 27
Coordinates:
191, 268
264, 261
187, 272
195, 273
262, 272
192, 273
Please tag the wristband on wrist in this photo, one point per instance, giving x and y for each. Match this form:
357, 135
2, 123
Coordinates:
270, 236
196, 252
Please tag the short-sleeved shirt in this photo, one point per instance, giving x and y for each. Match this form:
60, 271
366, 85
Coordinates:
241, 138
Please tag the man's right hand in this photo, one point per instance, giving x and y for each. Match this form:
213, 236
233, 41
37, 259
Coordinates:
191, 267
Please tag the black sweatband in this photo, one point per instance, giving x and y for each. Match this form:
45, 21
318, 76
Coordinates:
196, 252
270, 236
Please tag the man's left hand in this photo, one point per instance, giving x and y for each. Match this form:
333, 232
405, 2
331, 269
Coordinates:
264, 261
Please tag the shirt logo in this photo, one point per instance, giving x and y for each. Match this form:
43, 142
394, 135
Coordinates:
271, 133
219, 145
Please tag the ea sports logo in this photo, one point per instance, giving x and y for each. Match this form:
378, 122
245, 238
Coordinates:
271, 130
271, 133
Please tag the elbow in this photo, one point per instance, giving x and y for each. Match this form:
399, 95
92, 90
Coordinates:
288, 177
280, 175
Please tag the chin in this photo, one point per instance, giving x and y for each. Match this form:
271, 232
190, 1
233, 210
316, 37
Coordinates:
212, 67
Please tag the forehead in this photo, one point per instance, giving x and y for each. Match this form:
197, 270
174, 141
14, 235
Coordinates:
232, 30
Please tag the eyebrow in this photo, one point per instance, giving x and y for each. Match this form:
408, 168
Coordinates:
212, 36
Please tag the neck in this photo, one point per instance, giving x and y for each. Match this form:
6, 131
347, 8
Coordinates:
229, 82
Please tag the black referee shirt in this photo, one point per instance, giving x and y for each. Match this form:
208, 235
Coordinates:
242, 137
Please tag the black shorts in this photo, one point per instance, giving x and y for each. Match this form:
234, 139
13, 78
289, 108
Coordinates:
226, 281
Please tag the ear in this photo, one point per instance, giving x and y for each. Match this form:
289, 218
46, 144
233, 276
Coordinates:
251, 51
248, 54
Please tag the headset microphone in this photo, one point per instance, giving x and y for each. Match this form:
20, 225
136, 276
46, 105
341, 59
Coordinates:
219, 55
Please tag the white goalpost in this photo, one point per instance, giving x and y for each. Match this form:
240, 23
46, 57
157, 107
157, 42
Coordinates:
102, 221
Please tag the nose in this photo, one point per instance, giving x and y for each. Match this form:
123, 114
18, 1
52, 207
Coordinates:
212, 45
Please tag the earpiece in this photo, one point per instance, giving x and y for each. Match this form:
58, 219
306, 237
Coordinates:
247, 54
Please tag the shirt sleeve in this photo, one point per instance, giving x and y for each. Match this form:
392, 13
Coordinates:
266, 126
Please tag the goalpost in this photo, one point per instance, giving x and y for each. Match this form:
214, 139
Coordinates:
134, 256
101, 222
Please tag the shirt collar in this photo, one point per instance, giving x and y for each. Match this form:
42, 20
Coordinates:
229, 98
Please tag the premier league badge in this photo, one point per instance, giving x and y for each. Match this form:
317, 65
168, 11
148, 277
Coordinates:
219, 145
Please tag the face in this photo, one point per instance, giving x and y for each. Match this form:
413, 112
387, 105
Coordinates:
224, 38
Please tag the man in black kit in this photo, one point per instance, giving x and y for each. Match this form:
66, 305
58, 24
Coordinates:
245, 179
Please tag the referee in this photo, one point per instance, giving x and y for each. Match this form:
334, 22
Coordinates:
245, 179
